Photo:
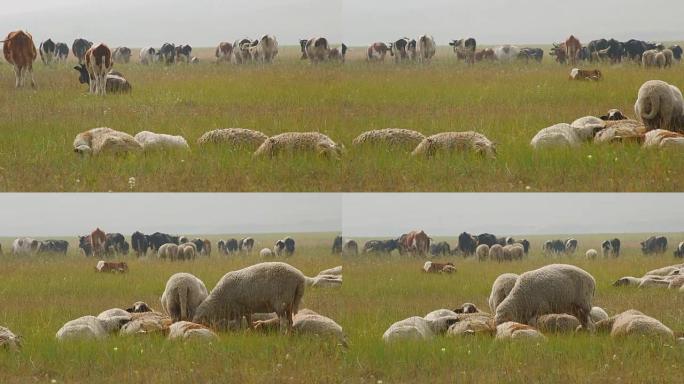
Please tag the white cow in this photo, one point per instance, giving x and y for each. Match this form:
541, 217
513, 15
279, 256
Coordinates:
506, 52
24, 246
148, 55
426, 48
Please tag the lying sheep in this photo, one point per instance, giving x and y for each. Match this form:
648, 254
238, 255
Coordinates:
185, 330
591, 254
239, 138
666, 271
153, 141
555, 288
8, 340
308, 322
482, 252
660, 105
654, 281
456, 142
566, 135
597, 314
417, 328
390, 137
557, 323
500, 289
184, 292
299, 142
676, 282
511, 330
635, 323
621, 131
496, 253
660, 138
105, 140
114, 312
146, 323
627, 280
265, 287
473, 324
90, 327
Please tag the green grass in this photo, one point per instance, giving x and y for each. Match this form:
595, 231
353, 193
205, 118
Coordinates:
508, 103
40, 294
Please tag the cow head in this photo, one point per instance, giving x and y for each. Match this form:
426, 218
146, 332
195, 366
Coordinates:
84, 76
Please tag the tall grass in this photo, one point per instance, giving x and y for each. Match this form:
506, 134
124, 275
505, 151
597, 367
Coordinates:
508, 103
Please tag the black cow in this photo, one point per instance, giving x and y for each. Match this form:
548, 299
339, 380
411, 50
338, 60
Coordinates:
633, 49
554, 247
116, 244
676, 52
114, 81
679, 251
381, 246
85, 245
595, 46
654, 245
440, 249
79, 48
183, 53
583, 54
121, 55
167, 53
611, 247
140, 243
289, 246
337, 245
486, 238
47, 51
158, 239
246, 244
399, 49
199, 245
61, 51
53, 246
467, 243
527, 54
231, 246
616, 50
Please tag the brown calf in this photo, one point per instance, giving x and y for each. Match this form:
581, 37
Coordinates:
110, 266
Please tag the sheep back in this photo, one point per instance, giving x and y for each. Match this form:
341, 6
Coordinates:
234, 137
455, 141
392, 137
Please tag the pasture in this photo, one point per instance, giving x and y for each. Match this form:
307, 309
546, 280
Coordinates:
508, 103
40, 294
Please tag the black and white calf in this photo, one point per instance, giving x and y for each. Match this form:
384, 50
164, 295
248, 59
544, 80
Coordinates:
115, 82
61, 52
465, 49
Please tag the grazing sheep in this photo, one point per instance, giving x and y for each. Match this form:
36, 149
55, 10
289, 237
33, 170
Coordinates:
660, 138
635, 323
591, 254
482, 252
660, 105
187, 251
597, 314
90, 327
264, 287
183, 294
185, 330
555, 288
296, 142
8, 340
496, 253
456, 141
565, 135
390, 137
660, 60
308, 322
152, 141
500, 289
513, 252
234, 137
105, 140
417, 328
511, 330
266, 253
648, 58
168, 250
621, 131
557, 323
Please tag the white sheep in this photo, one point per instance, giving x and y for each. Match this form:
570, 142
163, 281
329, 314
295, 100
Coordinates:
500, 289
472, 324
635, 323
659, 105
563, 134
482, 252
555, 288
90, 327
184, 292
145, 323
597, 314
591, 254
627, 280
456, 142
238, 138
266, 253
265, 287
299, 142
557, 323
676, 282
511, 330
168, 251
675, 269
105, 140
390, 137
187, 251
153, 141
185, 330
307, 322
417, 328
648, 58
8, 340
660, 138
513, 252
621, 131
440, 313
114, 312
496, 253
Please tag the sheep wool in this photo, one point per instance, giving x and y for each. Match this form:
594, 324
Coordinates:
390, 137
456, 142
634, 323
186, 331
9, 340
511, 330
234, 137
660, 138
660, 105
90, 327
105, 140
500, 289
153, 141
299, 142
184, 292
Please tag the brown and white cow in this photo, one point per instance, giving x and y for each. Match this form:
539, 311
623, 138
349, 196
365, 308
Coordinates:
585, 74
97, 240
486, 54
20, 51
266, 49
377, 52
572, 48
315, 49
338, 54
431, 267
415, 243
110, 266
99, 62
224, 52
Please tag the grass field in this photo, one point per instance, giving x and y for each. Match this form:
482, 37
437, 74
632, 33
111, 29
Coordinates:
508, 103
39, 295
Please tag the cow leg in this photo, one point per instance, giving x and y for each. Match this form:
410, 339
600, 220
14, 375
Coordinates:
17, 73
91, 85
103, 83
30, 73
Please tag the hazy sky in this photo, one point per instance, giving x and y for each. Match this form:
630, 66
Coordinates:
139, 23
385, 215
68, 214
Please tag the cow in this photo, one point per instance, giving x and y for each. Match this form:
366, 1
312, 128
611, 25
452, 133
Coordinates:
440, 249
399, 49
415, 243
611, 248
377, 51
467, 243
506, 53
20, 51
224, 52
140, 243
350, 248
167, 53
570, 246
426, 48
585, 74
676, 52
615, 51
554, 247
486, 54
199, 245
266, 49
432, 267
241, 51
246, 245
315, 49
114, 81
79, 48
289, 246
572, 48
61, 52
228, 246
338, 54
116, 244
654, 245
98, 62
337, 246
122, 55
53, 246
489, 239
465, 49
380, 246
148, 55
633, 49
595, 46
535, 54
98, 239
47, 51
25, 246
679, 251
558, 50
158, 239
110, 266
85, 245
183, 53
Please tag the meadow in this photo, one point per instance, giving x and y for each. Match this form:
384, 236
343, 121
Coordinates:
508, 103
41, 293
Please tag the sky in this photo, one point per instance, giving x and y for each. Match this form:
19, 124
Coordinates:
137, 23
71, 214
389, 215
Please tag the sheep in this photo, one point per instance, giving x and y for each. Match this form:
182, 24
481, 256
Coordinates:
659, 105
417, 328
555, 288
440, 313
431, 267
660, 138
187, 251
621, 131
500, 289
456, 141
666, 271
660, 60
153, 141
627, 280
557, 323
390, 137
513, 252
648, 58
105, 140
8, 340
90, 327
308, 322
239, 138
471, 324
266, 253
299, 142
565, 135
168, 250
185, 330
654, 281
635, 323
146, 323
482, 252
496, 252
591, 254
265, 287
511, 330
597, 314
183, 294
114, 312
676, 282
668, 54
